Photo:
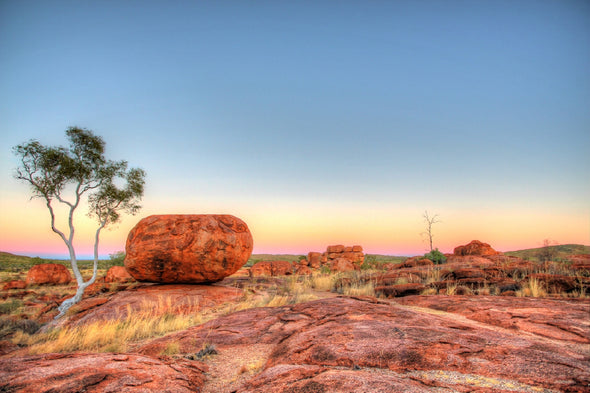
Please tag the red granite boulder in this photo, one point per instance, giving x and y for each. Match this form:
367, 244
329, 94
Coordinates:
118, 274
314, 259
48, 274
400, 290
187, 249
14, 284
475, 248
271, 268
342, 265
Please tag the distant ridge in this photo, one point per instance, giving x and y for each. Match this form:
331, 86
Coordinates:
560, 251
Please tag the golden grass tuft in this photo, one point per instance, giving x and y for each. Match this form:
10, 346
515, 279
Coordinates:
114, 335
360, 289
322, 282
532, 288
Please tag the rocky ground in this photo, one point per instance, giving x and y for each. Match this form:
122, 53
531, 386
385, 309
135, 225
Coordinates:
333, 344
413, 337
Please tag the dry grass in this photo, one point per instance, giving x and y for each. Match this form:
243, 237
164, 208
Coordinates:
532, 288
451, 289
360, 289
322, 282
152, 320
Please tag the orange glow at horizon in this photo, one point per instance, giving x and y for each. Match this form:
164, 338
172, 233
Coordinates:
25, 229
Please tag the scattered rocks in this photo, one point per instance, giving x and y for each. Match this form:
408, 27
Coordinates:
187, 248
48, 274
271, 268
337, 258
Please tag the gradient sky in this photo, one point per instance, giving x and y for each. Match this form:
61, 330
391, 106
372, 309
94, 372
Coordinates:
316, 122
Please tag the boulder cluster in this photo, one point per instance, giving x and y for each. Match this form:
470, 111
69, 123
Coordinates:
476, 268
336, 258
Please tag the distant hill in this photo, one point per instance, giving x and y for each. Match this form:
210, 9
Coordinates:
560, 252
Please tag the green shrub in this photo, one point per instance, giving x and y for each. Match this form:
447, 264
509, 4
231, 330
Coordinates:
10, 306
370, 262
10, 326
436, 256
116, 259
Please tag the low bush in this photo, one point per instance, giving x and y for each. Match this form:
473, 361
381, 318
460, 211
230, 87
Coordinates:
436, 257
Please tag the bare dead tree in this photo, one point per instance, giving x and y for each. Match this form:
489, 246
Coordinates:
429, 221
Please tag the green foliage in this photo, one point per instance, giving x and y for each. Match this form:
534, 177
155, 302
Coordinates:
436, 256
9, 326
10, 306
18, 263
50, 170
117, 259
370, 262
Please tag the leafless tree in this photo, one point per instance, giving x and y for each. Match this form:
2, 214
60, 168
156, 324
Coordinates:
429, 221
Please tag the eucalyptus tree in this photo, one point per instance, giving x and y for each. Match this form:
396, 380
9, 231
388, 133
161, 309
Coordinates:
62, 176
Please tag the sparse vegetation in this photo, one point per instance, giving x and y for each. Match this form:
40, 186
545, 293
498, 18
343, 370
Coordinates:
154, 320
436, 257
559, 252
11, 306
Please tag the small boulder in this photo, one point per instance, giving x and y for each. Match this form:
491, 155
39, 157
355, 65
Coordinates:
271, 268
335, 249
48, 274
475, 248
14, 284
187, 249
117, 274
303, 271
468, 273
400, 290
342, 265
315, 259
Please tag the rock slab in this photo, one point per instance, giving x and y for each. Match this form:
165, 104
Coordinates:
71, 373
354, 345
189, 249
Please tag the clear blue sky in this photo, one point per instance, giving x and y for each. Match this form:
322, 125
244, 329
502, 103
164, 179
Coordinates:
311, 110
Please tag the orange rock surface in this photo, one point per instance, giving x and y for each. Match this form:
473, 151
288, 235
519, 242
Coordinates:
117, 274
48, 274
187, 248
475, 248
271, 268
102, 372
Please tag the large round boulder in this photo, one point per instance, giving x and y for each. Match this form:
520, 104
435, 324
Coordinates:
187, 249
